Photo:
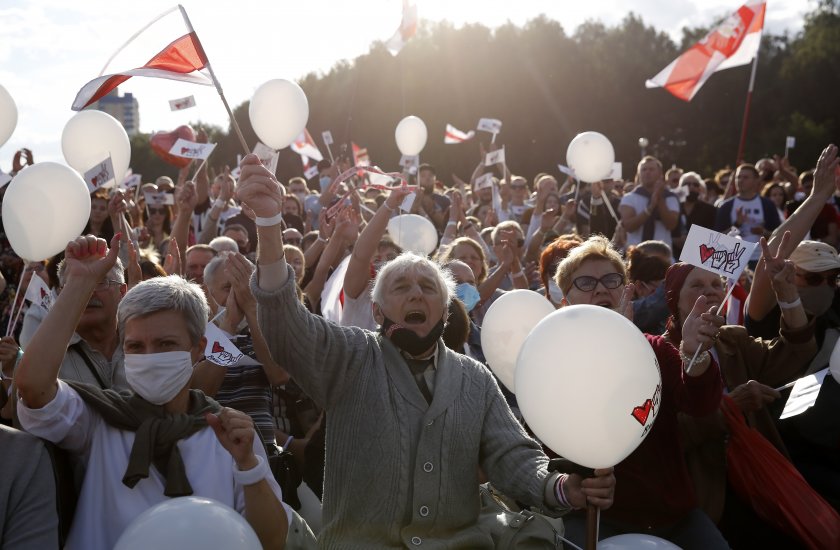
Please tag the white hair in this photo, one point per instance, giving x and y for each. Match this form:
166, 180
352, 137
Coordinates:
171, 293
224, 244
408, 261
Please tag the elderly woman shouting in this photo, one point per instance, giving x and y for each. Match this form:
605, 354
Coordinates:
655, 494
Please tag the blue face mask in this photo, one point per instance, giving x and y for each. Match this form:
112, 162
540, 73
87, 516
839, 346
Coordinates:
468, 294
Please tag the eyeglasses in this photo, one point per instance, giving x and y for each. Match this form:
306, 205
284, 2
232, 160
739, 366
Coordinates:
611, 281
105, 285
153, 211
817, 279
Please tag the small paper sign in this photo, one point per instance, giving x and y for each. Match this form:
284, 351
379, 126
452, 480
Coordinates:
484, 181
722, 254
492, 125
159, 199
327, 137
100, 175
495, 157
182, 103
220, 350
267, 155
192, 150
39, 294
4, 178
310, 172
566, 170
790, 142
804, 394
410, 161
615, 175
132, 180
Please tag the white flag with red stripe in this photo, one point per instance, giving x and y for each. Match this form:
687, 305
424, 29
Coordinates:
305, 146
407, 29
179, 57
731, 44
310, 169
454, 135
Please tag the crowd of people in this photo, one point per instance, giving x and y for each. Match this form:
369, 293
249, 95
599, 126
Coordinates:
352, 406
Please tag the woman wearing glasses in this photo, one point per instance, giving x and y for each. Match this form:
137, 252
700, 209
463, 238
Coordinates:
655, 494
157, 219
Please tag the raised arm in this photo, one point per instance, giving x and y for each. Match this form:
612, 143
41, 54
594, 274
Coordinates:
762, 299
186, 200
358, 270
87, 260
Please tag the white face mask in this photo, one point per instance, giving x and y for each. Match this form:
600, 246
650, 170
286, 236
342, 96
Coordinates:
555, 292
158, 377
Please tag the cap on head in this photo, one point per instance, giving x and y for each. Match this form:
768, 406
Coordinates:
815, 256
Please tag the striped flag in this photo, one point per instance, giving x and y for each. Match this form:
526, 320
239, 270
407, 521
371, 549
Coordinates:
407, 29
731, 44
454, 135
180, 59
305, 146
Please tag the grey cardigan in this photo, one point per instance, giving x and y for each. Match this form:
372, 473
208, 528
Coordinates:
398, 471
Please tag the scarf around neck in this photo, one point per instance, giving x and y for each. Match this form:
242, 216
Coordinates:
156, 432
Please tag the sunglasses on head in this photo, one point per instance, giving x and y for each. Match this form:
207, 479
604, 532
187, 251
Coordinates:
611, 281
816, 279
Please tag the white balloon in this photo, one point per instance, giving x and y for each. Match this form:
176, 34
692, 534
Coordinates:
189, 522
588, 385
591, 156
506, 325
413, 233
411, 135
278, 112
8, 115
90, 137
46, 206
636, 541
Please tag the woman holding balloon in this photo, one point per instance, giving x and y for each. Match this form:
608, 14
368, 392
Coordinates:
654, 495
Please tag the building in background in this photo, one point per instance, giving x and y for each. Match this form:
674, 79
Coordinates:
123, 108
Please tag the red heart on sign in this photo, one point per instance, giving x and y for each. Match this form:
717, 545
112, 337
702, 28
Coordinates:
217, 347
162, 142
706, 253
641, 413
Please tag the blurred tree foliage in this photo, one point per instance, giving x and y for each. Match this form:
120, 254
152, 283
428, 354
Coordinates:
546, 86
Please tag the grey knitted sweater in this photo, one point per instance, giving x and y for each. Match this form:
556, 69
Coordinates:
400, 472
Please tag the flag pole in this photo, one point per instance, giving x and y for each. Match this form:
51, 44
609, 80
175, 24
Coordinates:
215, 81
743, 139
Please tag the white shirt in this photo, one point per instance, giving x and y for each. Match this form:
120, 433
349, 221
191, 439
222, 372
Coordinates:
106, 506
638, 203
358, 312
754, 211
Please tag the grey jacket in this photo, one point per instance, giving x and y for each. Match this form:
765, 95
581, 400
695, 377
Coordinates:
400, 472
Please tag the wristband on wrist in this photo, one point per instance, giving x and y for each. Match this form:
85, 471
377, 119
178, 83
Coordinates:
320, 239
702, 358
268, 222
288, 442
451, 224
219, 203
252, 476
790, 305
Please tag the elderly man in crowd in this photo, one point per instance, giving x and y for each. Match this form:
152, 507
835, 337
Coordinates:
411, 424
161, 441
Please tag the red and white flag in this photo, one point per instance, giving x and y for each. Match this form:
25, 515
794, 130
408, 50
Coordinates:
180, 59
39, 294
360, 155
454, 135
731, 44
407, 29
304, 145
310, 168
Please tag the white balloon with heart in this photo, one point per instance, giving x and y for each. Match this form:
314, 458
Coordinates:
588, 384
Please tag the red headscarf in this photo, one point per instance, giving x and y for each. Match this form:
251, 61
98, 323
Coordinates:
674, 280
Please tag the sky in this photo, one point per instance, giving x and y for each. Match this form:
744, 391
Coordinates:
50, 48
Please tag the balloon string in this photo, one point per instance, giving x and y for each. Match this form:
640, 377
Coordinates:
719, 309
14, 303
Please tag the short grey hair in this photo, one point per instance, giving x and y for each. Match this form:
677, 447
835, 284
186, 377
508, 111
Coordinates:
408, 261
224, 244
116, 273
213, 266
171, 293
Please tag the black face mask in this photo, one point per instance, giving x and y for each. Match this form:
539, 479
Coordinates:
692, 196
408, 340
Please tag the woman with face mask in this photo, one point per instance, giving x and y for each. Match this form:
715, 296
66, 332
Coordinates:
195, 446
